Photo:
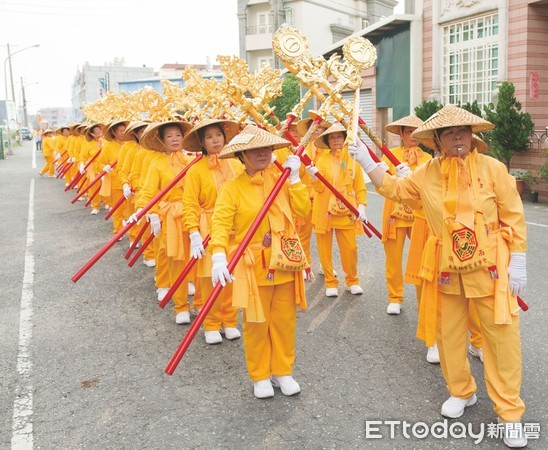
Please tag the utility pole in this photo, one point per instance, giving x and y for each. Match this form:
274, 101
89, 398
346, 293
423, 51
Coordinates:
11, 75
25, 117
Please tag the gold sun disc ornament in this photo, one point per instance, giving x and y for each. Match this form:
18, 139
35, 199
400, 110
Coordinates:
290, 45
360, 52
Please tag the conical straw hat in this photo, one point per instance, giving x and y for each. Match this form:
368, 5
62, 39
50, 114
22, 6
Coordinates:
449, 116
192, 143
479, 144
151, 139
321, 142
133, 126
304, 124
411, 121
87, 130
251, 138
107, 129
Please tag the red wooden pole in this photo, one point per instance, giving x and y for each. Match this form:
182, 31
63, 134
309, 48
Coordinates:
121, 200
93, 182
141, 250
124, 230
92, 196
181, 277
135, 243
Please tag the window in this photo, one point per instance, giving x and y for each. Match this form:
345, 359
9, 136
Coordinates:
289, 19
263, 23
470, 60
265, 62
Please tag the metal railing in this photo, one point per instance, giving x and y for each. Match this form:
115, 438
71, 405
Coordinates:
258, 29
540, 137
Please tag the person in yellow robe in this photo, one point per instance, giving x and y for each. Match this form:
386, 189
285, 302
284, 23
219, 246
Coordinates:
202, 183
475, 253
304, 227
48, 148
60, 147
165, 217
92, 145
330, 215
111, 186
129, 149
137, 175
268, 283
397, 218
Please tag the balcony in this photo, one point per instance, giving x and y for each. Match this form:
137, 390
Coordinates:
258, 29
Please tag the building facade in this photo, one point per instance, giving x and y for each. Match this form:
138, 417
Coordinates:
323, 22
91, 82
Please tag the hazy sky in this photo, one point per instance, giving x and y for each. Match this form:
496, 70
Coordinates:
71, 32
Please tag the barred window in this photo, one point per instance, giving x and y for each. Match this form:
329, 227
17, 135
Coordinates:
470, 60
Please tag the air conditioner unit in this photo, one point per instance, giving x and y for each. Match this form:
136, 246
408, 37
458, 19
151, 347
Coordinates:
365, 23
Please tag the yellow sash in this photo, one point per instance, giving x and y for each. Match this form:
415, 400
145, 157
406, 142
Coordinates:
172, 228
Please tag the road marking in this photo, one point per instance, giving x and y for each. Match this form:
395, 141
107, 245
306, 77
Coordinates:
537, 224
320, 318
22, 437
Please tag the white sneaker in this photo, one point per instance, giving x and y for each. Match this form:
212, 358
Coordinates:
287, 384
149, 262
131, 243
94, 212
355, 289
453, 407
331, 292
476, 351
433, 356
231, 333
213, 337
191, 288
263, 389
182, 318
393, 308
161, 293
513, 436
106, 207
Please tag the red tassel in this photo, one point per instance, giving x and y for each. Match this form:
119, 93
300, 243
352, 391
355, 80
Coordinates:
392, 219
308, 275
263, 258
493, 272
444, 278
270, 275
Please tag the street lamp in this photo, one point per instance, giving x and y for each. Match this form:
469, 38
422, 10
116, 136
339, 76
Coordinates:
10, 150
24, 101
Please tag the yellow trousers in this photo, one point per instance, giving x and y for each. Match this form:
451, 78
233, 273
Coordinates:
120, 213
346, 239
180, 297
149, 252
161, 269
49, 166
71, 173
222, 313
474, 326
501, 353
393, 249
270, 346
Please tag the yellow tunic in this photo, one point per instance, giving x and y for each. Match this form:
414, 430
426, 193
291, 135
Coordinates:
237, 205
109, 155
125, 159
503, 216
48, 146
341, 171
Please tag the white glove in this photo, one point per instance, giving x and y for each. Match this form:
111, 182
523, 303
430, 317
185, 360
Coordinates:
361, 210
73, 159
273, 158
107, 168
196, 245
293, 162
127, 190
359, 152
383, 166
56, 156
219, 271
312, 171
402, 170
517, 273
155, 224
82, 168
133, 217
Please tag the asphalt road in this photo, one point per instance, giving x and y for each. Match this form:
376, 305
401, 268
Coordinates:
92, 354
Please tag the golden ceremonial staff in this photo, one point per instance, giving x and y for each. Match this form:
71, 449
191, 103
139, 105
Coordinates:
249, 235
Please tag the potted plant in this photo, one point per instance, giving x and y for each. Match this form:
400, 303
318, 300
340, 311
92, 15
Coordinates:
519, 175
530, 179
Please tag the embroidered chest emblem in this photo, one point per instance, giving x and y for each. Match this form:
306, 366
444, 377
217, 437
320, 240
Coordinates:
292, 249
465, 243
